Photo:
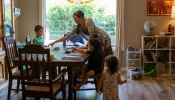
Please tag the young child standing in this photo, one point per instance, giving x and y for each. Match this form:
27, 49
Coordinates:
110, 79
94, 63
39, 35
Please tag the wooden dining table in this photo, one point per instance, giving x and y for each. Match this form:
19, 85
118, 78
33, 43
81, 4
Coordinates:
59, 61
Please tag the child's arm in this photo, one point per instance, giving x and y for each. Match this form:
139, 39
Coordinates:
59, 40
120, 81
79, 50
100, 82
83, 47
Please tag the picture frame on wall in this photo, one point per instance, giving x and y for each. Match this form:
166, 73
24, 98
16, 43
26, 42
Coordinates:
153, 7
166, 7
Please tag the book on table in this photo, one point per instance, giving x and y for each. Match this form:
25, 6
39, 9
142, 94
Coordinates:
72, 57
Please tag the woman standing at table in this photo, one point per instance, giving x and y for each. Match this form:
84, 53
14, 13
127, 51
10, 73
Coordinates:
87, 29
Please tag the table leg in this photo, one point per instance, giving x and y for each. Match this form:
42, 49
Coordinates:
70, 82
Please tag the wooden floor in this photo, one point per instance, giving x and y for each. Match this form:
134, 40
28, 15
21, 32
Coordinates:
149, 88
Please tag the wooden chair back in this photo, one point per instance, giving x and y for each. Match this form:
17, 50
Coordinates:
33, 64
102, 50
36, 82
13, 70
28, 40
11, 53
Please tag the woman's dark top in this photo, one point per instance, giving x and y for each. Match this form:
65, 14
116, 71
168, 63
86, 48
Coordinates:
94, 62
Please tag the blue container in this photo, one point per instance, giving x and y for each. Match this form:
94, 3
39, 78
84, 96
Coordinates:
64, 42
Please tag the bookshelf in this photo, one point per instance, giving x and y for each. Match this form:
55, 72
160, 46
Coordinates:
133, 60
159, 51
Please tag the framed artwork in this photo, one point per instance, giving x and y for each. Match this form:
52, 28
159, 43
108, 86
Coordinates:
166, 7
153, 7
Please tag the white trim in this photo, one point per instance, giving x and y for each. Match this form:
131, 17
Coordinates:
42, 17
122, 35
41, 12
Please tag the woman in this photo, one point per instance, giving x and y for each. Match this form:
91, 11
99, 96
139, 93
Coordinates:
87, 29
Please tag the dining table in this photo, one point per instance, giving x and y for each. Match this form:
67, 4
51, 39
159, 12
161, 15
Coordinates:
59, 61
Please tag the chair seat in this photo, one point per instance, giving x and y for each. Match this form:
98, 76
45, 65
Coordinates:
56, 86
16, 75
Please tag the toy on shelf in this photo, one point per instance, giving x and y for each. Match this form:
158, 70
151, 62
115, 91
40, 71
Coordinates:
130, 48
136, 73
133, 62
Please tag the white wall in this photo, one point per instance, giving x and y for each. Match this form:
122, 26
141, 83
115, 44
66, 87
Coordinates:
135, 16
28, 19
16, 5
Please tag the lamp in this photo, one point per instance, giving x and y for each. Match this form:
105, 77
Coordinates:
79, 1
173, 12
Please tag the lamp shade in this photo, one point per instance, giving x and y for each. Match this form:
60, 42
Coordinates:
173, 12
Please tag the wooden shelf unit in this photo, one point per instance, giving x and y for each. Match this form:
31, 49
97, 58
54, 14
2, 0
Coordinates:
160, 52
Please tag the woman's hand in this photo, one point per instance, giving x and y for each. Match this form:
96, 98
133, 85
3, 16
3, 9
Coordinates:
51, 44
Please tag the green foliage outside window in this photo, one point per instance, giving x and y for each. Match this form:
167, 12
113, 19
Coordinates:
59, 19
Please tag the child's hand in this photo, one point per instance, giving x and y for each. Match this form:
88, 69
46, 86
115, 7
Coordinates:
51, 44
98, 90
125, 81
74, 48
46, 46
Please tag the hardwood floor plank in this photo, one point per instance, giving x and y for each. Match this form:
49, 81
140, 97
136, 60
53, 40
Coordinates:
91, 94
132, 88
156, 87
148, 88
136, 97
148, 92
123, 95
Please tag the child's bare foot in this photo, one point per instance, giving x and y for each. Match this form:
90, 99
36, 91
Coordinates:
75, 87
81, 76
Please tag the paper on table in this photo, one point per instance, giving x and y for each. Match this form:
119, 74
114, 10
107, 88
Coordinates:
75, 54
68, 57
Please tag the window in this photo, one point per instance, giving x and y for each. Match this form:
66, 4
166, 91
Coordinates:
59, 18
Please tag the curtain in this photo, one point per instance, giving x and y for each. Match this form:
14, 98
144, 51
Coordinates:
119, 30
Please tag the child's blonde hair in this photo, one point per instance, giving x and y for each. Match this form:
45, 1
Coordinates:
112, 63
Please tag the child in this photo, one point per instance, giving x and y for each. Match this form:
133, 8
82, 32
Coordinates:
110, 79
39, 35
94, 62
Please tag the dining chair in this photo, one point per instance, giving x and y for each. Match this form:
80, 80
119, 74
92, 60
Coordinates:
36, 60
11, 53
95, 77
28, 40
109, 51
